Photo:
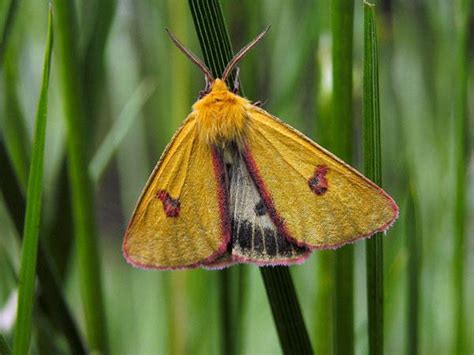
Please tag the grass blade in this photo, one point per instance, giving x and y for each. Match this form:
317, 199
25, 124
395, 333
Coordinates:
81, 186
464, 11
373, 170
51, 299
216, 49
119, 130
342, 15
413, 236
293, 335
33, 211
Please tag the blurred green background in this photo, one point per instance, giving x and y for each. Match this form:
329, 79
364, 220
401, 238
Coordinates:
137, 82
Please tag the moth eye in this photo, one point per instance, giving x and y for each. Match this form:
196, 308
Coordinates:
318, 183
171, 206
260, 208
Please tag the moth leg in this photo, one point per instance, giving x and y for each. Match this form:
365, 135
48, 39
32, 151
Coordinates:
236, 88
206, 90
259, 103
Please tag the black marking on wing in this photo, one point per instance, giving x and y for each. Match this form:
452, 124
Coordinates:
260, 208
254, 235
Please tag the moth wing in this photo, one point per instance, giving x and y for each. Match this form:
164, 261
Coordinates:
181, 219
312, 196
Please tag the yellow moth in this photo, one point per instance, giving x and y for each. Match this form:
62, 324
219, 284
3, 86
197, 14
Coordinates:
236, 185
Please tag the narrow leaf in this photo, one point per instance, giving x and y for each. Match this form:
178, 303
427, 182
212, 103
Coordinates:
80, 184
29, 248
340, 135
413, 236
292, 333
373, 170
119, 130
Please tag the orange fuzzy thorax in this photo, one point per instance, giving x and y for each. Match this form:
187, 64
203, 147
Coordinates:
221, 116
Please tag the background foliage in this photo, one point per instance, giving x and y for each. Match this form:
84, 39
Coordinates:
136, 88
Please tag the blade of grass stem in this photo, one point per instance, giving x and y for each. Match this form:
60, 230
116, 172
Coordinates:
293, 335
217, 52
464, 11
373, 170
7, 28
81, 186
413, 236
50, 299
29, 249
4, 348
119, 130
342, 16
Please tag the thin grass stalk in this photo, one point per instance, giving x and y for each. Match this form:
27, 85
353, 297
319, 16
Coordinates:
413, 236
7, 28
81, 186
342, 16
292, 333
373, 170
215, 45
324, 269
464, 11
29, 249
179, 89
50, 299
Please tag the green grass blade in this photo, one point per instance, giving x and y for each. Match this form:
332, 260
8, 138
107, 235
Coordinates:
373, 170
33, 211
215, 45
342, 16
117, 133
464, 11
51, 299
81, 186
7, 28
413, 236
293, 335
4, 348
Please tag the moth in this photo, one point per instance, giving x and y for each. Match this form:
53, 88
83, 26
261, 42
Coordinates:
238, 185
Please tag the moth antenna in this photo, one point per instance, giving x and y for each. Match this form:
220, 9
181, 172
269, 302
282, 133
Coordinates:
191, 56
241, 54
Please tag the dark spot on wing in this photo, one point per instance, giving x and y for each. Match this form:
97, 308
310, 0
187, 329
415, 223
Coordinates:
270, 244
318, 183
171, 206
275, 245
260, 208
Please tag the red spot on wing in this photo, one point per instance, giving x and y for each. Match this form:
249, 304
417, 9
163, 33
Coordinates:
318, 183
171, 206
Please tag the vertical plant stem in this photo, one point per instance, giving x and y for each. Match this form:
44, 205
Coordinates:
342, 16
281, 293
81, 187
215, 45
464, 10
413, 236
292, 333
29, 248
373, 170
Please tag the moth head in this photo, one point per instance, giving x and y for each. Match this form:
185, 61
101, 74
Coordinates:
212, 82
